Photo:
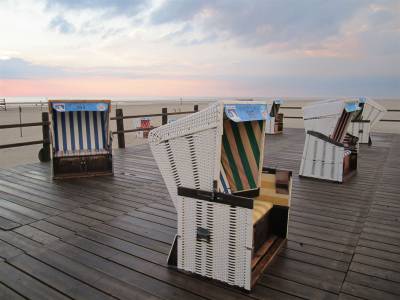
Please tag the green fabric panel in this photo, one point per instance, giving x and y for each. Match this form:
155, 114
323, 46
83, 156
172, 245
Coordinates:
243, 155
261, 123
235, 172
253, 142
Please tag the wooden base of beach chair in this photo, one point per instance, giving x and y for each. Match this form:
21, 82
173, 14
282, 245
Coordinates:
82, 166
265, 256
266, 210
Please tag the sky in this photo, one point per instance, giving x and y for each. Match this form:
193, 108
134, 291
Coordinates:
204, 48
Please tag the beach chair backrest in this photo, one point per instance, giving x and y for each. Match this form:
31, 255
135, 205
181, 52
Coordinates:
330, 117
222, 143
80, 127
275, 107
242, 149
371, 110
341, 127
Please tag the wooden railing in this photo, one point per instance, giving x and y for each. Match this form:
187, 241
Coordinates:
300, 117
44, 153
3, 105
119, 118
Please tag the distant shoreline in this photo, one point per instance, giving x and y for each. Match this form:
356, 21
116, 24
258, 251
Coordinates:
34, 101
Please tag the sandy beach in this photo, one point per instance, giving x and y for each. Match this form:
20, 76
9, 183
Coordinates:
32, 113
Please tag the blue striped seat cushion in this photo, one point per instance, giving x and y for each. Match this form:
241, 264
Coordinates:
80, 133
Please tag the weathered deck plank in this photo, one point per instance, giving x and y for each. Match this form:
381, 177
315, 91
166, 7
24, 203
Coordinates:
109, 237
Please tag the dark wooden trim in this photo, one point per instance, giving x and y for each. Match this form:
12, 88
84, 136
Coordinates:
21, 144
135, 116
248, 194
389, 120
172, 260
33, 124
133, 130
156, 115
164, 116
360, 121
222, 198
273, 170
120, 127
44, 153
292, 117
82, 166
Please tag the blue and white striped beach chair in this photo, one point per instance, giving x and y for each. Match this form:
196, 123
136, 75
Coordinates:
80, 138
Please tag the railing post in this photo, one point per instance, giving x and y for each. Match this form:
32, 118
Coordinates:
44, 154
20, 119
120, 127
196, 108
164, 117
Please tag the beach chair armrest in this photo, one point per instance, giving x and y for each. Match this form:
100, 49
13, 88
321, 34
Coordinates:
222, 198
325, 138
360, 121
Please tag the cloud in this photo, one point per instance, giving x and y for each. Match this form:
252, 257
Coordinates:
279, 25
61, 25
16, 68
113, 7
178, 11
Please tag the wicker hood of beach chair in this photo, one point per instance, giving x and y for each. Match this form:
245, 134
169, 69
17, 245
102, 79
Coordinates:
275, 122
370, 113
232, 212
330, 152
80, 138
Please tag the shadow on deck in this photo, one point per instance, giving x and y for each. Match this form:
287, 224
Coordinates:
109, 237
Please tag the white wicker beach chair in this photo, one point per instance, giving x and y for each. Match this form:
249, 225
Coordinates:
370, 114
80, 138
232, 212
330, 152
275, 122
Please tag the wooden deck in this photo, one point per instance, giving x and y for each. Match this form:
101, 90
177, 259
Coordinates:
109, 237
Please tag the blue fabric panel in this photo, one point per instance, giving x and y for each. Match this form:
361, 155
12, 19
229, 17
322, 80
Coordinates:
352, 106
71, 127
96, 131
103, 128
223, 183
83, 106
79, 117
246, 112
64, 132
89, 142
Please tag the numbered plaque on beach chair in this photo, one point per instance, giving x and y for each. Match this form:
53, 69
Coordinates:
81, 139
275, 121
232, 212
330, 153
369, 114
